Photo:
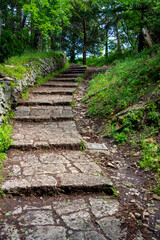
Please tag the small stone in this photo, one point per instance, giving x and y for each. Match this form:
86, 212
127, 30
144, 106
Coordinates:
153, 210
138, 215
112, 228
96, 146
149, 140
41, 218
145, 214
110, 165
46, 232
132, 215
78, 220
156, 197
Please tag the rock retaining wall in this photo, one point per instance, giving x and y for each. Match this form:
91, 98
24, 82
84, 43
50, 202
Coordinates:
11, 88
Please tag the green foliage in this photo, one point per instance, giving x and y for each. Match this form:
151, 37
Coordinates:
151, 160
151, 156
115, 192
80, 79
120, 137
25, 94
101, 61
17, 71
5, 134
73, 102
83, 146
5, 142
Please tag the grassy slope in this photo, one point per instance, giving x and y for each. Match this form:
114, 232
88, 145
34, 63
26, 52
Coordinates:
126, 83
17, 66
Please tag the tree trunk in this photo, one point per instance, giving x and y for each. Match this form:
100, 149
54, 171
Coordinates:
147, 37
40, 41
118, 39
23, 21
141, 42
18, 17
0, 25
85, 41
106, 45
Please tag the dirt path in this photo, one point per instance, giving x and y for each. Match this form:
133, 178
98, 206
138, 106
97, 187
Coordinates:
55, 191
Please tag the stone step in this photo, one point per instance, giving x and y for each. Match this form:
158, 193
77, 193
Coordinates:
53, 90
77, 67
68, 71
60, 84
40, 172
62, 75
47, 100
30, 135
65, 79
43, 113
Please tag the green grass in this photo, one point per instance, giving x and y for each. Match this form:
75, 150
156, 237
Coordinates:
5, 142
80, 79
127, 82
28, 56
25, 94
18, 66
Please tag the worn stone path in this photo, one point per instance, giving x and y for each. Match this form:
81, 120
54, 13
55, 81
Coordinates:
50, 127
45, 160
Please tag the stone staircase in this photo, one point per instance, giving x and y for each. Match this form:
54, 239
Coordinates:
45, 156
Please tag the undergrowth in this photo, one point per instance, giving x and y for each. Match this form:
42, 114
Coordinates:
5, 142
127, 96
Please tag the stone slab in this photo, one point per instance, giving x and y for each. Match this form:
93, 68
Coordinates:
64, 79
53, 90
60, 219
37, 113
84, 180
80, 220
46, 100
48, 170
60, 84
97, 146
46, 233
73, 75
53, 133
111, 226
36, 217
87, 235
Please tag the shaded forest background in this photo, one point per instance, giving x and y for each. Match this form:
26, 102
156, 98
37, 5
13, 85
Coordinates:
88, 28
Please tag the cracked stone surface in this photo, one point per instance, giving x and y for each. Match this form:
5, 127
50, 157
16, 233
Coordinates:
45, 134
46, 100
60, 83
64, 79
53, 90
69, 75
52, 169
72, 219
